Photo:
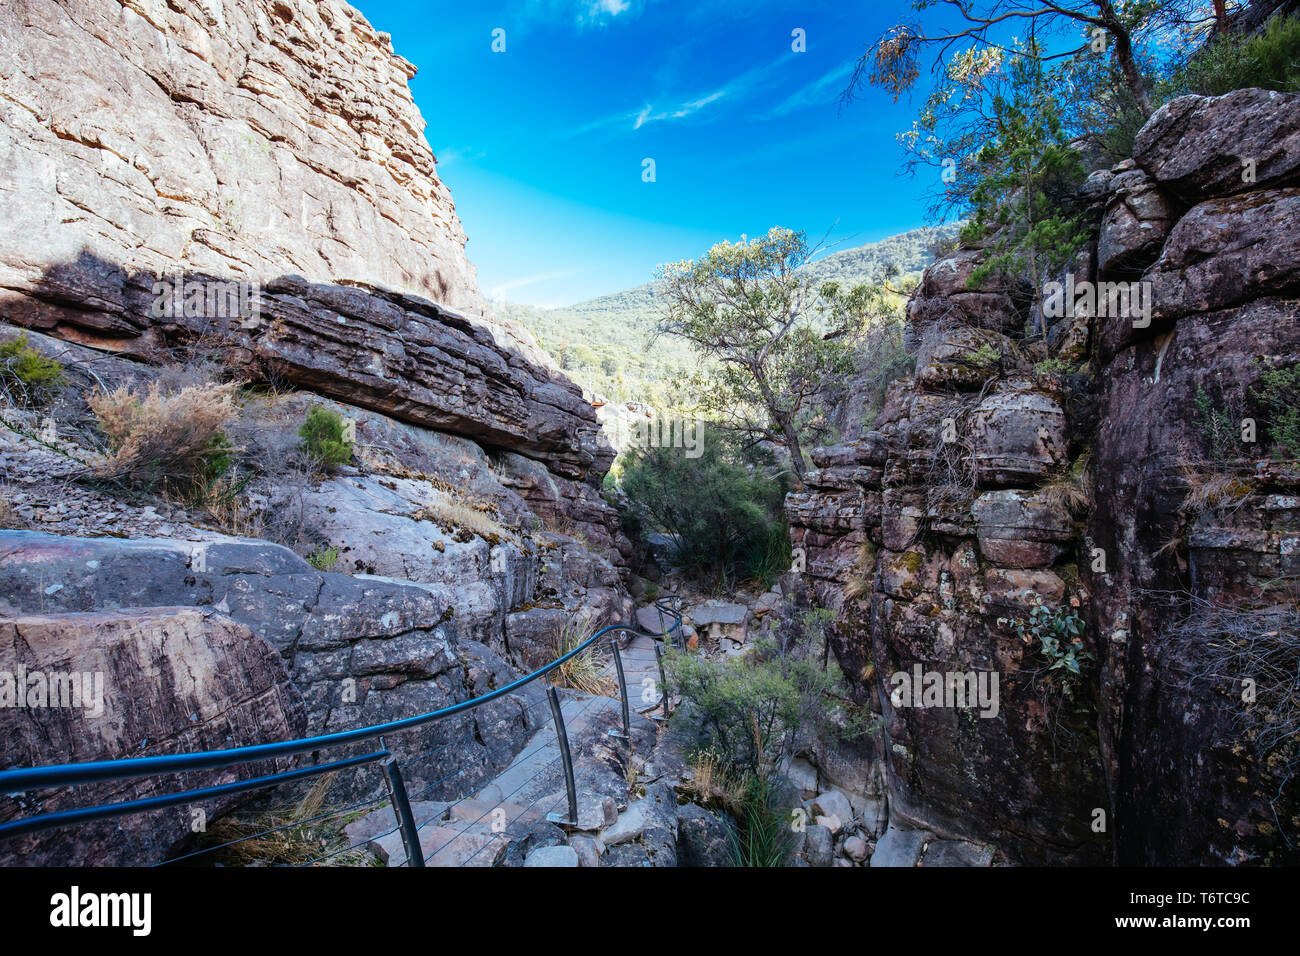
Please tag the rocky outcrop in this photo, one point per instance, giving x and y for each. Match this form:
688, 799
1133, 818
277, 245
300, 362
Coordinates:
248, 138
991, 485
359, 650
273, 144
107, 684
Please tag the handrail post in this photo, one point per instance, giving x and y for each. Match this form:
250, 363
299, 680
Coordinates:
626, 733
663, 684
402, 808
566, 758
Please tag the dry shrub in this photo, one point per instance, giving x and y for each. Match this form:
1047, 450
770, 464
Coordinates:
1226, 645
455, 514
1209, 491
9, 521
172, 442
562, 524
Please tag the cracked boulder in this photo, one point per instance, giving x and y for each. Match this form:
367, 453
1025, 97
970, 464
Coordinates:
104, 685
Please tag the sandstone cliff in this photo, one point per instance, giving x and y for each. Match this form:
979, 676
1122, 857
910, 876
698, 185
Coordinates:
275, 145
994, 480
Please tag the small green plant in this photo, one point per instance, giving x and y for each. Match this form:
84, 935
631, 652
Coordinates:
1280, 395
1220, 423
1053, 366
984, 357
324, 558
1059, 635
323, 438
27, 375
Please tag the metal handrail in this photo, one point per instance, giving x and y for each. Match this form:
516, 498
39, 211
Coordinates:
72, 774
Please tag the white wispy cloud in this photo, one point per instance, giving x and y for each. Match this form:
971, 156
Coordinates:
680, 107
499, 291
455, 154
581, 13
823, 90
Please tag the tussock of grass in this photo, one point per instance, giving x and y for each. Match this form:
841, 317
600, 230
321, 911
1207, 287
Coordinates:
288, 836
586, 671
455, 514
1072, 490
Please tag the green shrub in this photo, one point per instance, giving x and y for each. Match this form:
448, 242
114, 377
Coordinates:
1269, 60
1280, 396
322, 438
323, 558
984, 356
1053, 366
27, 375
750, 709
725, 516
1220, 423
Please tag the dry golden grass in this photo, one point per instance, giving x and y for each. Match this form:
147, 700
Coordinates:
297, 837
584, 672
864, 572
557, 524
712, 783
160, 440
453, 514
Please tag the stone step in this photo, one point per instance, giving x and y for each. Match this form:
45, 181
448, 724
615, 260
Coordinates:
476, 830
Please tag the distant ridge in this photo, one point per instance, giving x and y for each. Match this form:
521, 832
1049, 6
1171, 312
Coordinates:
603, 343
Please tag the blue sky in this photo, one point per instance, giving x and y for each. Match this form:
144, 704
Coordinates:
543, 145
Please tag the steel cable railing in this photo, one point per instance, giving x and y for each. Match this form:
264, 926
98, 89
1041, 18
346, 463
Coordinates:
23, 780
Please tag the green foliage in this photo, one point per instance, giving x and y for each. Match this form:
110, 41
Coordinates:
322, 438
1279, 394
763, 837
26, 375
748, 308
324, 558
1269, 60
1053, 366
751, 708
607, 344
1059, 635
215, 459
1220, 423
984, 356
1025, 176
724, 515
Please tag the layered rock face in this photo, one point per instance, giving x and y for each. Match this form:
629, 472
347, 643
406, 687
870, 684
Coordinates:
274, 144
992, 482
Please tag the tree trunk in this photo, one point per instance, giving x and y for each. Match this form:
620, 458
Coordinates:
1124, 54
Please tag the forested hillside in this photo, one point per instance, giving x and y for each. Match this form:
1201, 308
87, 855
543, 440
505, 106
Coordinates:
605, 344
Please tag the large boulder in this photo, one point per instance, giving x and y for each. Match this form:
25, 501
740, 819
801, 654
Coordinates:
1021, 529
361, 650
1198, 147
1134, 227
154, 681
1019, 438
1228, 251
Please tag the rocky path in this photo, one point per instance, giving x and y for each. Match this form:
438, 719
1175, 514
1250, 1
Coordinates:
505, 821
